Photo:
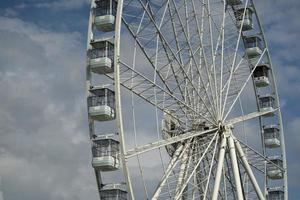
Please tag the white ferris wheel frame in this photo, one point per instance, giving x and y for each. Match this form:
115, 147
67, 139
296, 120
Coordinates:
233, 144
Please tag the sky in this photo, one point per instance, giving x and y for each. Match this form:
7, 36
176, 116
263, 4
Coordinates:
44, 144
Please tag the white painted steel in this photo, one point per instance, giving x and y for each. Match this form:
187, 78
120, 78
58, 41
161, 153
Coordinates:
219, 168
118, 97
249, 170
235, 166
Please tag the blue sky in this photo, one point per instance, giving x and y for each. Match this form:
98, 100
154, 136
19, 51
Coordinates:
43, 124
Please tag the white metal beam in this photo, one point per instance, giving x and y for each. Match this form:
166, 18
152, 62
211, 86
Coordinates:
181, 176
249, 116
165, 142
235, 168
177, 155
219, 169
249, 170
119, 118
245, 83
179, 193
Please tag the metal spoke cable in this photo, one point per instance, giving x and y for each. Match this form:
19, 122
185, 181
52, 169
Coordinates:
156, 109
167, 45
244, 85
210, 173
193, 57
234, 58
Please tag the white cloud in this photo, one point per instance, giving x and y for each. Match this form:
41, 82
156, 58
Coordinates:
10, 12
44, 138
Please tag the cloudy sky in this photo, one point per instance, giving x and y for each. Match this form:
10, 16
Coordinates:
44, 147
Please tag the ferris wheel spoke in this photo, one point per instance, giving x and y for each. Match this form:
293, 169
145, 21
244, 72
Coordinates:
142, 46
198, 178
249, 170
210, 175
239, 65
180, 84
234, 59
202, 56
179, 52
143, 87
165, 142
220, 31
200, 50
172, 164
244, 85
219, 40
183, 170
249, 116
213, 71
156, 109
193, 58
185, 74
192, 54
168, 51
202, 53
255, 159
215, 138
175, 32
222, 59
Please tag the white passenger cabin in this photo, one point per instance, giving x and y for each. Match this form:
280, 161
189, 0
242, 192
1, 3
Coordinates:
233, 2
101, 104
275, 194
105, 150
273, 168
261, 75
105, 15
113, 192
101, 56
247, 24
267, 103
253, 46
271, 136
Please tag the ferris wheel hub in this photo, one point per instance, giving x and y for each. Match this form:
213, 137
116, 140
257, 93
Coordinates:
225, 129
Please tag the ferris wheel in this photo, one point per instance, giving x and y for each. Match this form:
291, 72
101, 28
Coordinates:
182, 101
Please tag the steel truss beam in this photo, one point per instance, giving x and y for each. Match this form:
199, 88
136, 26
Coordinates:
165, 142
